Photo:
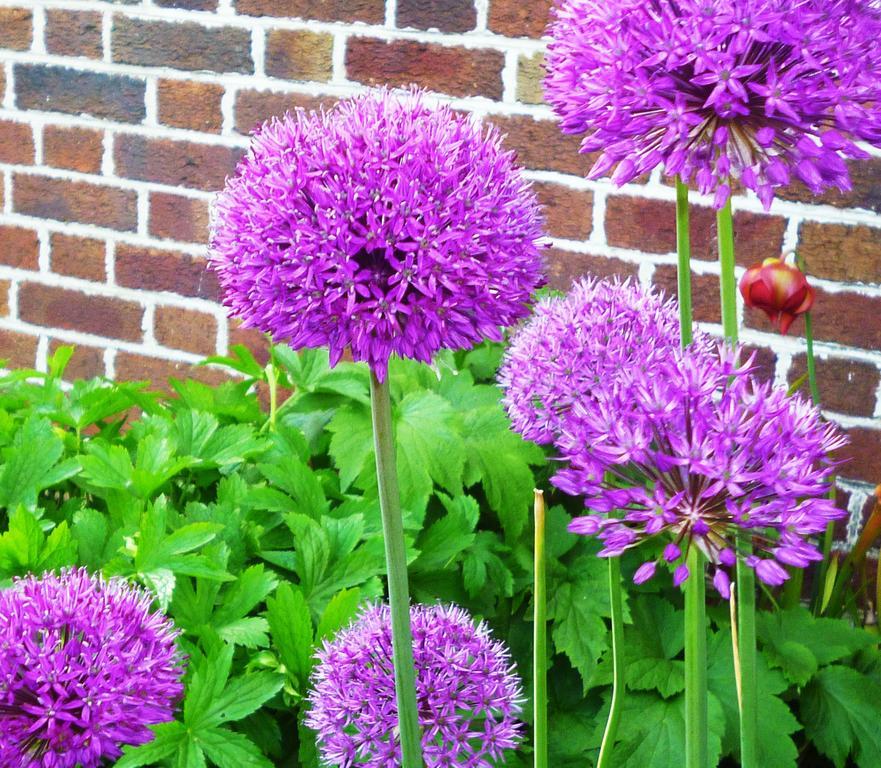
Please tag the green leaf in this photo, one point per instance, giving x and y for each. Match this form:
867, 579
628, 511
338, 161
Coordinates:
167, 741
90, 531
228, 749
290, 625
340, 610
351, 443
25, 548
251, 632
300, 482
242, 696
445, 539
652, 646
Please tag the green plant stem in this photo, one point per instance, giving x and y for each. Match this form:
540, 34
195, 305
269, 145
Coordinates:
540, 640
812, 365
696, 718
683, 271
396, 565
616, 610
727, 281
272, 383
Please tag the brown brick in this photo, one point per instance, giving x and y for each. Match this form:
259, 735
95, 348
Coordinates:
16, 143
297, 54
179, 45
563, 267
369, 11
255, 107
86, 363
764, 362
841, 252
175, 217
186, 329
80, 201
19, 247
862, 455
19, 350
251, 338
176, 163
155, 269
452, 70
865, 175
60, 89
131, 367
82, 257
62, 308
514, 18
541, 145
449, 16
189, 5
846, 386
74, 33
185, 104
4, 297
16, 28
76, 149
705, 301
530, 73
568, 211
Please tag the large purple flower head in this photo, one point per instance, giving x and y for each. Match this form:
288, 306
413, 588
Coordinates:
385, 226
85, 668
759, 91
468, 694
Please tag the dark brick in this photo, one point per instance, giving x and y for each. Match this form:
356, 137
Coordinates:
255, 107
154, 269
188, 5
297, 54
176, 163
86, 362
862, 455
131, 367
16, 143
19, 350
846, 386
449, 16
186, 104
841, 251
568, 211
179, 45
82, 257
175, 217
74, 33
19, 247
80, 201
76, 149
563, 267
16, 28
62, 308
764, 362
705, 300
452, 70
186, 329
514, 18
539, 144
60, 89
369, 11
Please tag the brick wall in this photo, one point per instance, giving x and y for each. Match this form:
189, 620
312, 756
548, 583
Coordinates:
119, 119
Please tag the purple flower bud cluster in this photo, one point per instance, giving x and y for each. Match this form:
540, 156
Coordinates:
758, 91
384, 226
469, 696
684, 444
85, 668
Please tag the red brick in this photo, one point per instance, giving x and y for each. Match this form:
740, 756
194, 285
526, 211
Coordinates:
862, 455
76, 149
449, 16
514, 18
176, 163
841, 251
16, 143
764, 362
86, 362
4, 297
865, 175
131, 367
705, 300
19, 247
451, 70
563, 267
186, 329
297, 54
79, 201
155, 269
846, 386
251, 338
82, 257
255, 107
16, 28
74, 33
61, 89
62, 308
568, 211
19, 350
539, 144
175, 217
186, 104
370, 11
179, 45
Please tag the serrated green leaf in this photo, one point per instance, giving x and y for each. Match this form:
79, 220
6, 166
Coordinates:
339, 611
167, 741
290, 625
445, 539
652, 646
90, 531
228, 749
242, 696
351, 443
300, 482
250, 632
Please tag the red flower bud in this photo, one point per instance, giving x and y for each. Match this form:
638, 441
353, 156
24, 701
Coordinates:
778, 288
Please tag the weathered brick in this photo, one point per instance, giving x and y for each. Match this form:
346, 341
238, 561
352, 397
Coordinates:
705, 300
841, 251
82, 257
19, 350
185, 329
452, 70
370, 11
74, 33
514, 18
4, 297
179, 45
539, 144
254, 107
563, 267
16, 143
530, 72
80, 201
62, 308
132, 367
16, 28
449, 16
187, 104
155, 269
19, 247
846, 386
77, 149
175, 217
568, 211
764, 362
188, 5
297, 54
865, 175
86, 363
862, 455
60, 89
176, 163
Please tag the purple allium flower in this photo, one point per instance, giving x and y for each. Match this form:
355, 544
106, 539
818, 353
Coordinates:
385, 226
758, 91
85, 668
468, 693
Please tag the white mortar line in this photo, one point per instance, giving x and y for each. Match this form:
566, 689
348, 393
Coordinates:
391, 14
258, 51
106, 34
39, 29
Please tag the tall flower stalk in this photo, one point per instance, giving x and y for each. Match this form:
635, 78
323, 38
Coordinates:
540, 639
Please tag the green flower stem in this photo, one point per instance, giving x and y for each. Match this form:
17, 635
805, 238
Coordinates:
617, 616
683, 272
696, 718
812, 365
396, 565
540, 639
727, 282
272, 383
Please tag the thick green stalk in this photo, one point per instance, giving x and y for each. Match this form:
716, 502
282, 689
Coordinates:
683, 271
540, 639
812, 365
727, 281
696, 718
617, 616
396, 565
